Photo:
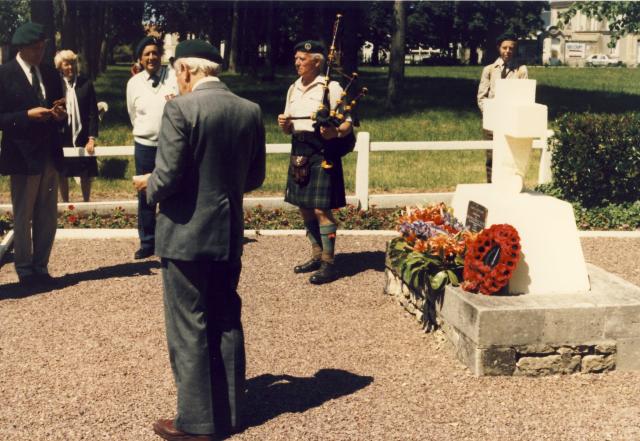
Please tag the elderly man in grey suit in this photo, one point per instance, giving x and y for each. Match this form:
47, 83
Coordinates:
211, 151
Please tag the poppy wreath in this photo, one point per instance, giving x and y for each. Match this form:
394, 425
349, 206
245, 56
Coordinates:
491, 259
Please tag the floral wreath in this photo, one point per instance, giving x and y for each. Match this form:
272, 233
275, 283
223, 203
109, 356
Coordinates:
491, 259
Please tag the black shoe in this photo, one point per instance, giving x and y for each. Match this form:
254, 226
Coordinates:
307, 267
326, 274
143, 253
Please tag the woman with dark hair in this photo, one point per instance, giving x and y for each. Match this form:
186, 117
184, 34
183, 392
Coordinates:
81, 129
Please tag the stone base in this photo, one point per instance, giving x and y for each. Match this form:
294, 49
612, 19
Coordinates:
539, 334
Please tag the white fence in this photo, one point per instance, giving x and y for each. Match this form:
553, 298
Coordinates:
363, 148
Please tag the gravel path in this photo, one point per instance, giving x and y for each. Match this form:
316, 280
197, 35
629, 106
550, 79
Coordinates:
337, 362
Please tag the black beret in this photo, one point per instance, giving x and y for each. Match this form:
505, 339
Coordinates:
310, 46
506, 37
197, 49
147, 41
27, 34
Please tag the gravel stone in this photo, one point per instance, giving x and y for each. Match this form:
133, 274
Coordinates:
88, 360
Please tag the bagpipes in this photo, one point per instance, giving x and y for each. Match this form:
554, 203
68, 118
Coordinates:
328, 116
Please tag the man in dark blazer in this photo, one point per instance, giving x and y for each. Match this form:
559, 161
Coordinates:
31, 151
211, 150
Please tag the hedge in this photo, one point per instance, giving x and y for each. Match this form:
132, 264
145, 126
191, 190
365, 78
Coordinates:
596, 158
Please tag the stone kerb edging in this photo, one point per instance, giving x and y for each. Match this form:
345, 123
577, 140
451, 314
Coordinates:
6, 243
531, 334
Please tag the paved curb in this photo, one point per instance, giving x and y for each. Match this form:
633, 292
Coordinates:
6, 244
125, 233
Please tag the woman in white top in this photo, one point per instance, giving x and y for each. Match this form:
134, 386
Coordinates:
147, 93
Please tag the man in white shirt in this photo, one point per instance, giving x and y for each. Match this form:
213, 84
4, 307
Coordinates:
147, 93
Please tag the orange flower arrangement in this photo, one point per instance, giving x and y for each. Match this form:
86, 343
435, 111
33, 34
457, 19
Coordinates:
491, 259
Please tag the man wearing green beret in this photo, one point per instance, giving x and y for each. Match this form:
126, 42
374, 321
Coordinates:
31, 112
312, 186
211, 150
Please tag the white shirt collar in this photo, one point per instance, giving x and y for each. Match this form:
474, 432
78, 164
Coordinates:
204, 80
26, 67
318, 80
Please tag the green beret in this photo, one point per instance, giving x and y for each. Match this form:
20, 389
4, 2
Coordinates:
197, 49
310, 46
28, 34
147, 41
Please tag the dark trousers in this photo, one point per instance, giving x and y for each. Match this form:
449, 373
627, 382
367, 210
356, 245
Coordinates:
206, 343
488, 164
145, 158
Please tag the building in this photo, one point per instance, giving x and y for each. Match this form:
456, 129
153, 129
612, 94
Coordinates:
573, 43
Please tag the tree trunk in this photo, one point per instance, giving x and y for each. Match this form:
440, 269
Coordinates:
269, 72
396, 63
350, 41
375, 55
68, 31
233, 46
473, 54
42, 13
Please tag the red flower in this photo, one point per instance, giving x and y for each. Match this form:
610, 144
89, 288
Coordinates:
478, 273
71, 207
72, 219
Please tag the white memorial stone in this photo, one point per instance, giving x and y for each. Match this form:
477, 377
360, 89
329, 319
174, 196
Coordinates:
552, 260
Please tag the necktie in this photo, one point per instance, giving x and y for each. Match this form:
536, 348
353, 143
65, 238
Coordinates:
505, 72
156, 80
35, 83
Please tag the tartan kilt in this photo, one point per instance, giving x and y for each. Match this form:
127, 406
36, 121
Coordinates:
325, 189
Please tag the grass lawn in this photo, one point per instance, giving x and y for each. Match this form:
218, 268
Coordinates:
439, 104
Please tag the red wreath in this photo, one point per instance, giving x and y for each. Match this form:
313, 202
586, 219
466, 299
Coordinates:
491, 259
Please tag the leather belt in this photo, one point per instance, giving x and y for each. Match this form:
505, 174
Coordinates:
304, 136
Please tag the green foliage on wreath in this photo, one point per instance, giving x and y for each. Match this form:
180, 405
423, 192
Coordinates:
423, 270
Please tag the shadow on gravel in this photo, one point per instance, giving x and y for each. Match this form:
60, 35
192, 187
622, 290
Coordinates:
269, 396
350, 264
132, 269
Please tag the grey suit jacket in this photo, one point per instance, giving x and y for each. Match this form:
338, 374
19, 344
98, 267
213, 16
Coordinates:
211, 150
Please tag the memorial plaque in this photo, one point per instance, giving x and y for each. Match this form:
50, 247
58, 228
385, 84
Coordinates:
476, 217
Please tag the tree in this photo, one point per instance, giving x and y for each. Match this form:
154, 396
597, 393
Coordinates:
479, 24
396, 64
622, 17
42, 13
12, 15
377, 29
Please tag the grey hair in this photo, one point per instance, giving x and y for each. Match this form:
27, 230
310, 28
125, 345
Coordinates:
196, 65
320, 57
65, 55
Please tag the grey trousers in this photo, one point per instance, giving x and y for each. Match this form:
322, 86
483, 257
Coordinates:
34, 199
206, 343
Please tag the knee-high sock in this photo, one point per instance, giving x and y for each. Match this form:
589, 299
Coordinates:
313, 234
328, 234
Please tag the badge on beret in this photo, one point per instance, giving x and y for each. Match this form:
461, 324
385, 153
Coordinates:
307, 46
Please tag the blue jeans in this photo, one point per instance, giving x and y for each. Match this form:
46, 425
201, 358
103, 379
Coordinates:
145, 159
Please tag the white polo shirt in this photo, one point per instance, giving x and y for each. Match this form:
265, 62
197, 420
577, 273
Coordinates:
304, 101
145, 104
